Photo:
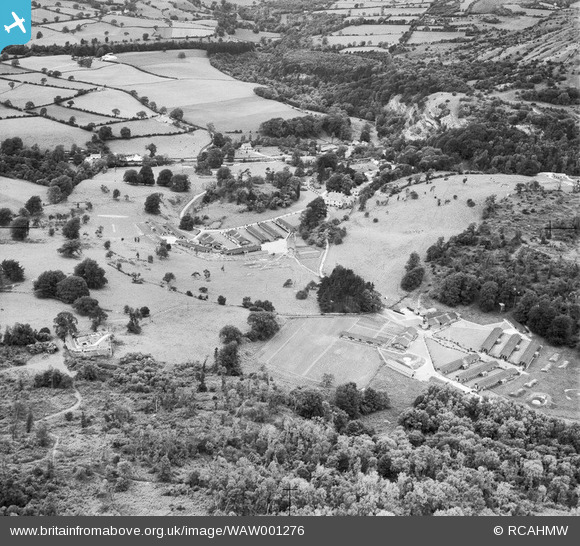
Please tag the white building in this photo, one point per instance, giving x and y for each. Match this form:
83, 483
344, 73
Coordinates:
338, 200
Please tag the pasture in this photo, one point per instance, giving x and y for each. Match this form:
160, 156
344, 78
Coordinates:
44, 132
186, 145
105, 101
406, 226
424, 37
38, 95
204, 93
64, 113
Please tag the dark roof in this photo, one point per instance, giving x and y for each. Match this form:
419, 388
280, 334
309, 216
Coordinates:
496, 378
455, 365
511, 345
491, 339
530, 353
473, 372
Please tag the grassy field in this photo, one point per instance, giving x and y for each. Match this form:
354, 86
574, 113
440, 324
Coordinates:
24, 93
82, 118
305, 349
51, 83
44, 132
423, 37
412, 226
186, 145
204, 93
14, 193
103, 102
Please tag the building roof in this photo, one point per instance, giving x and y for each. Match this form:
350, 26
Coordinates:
473, 372
491, 339
455, 365
530, 353
511, 345
496, 378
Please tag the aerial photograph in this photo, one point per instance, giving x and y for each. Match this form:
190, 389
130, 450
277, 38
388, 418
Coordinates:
290, 258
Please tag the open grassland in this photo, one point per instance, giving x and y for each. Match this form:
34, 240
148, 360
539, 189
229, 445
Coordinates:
103, 102
423, 37
144, 127
378, 251
14, 193
51, 83
186, 145
113, 75
204, 93
64, 113
38, 95
44, 132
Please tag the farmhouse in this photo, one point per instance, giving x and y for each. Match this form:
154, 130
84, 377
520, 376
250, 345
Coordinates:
108, 57
338, 200
436, 319
511, 345
491, 340
530, 354
403, 340
496, 379
87, 345
460, 363
471, 373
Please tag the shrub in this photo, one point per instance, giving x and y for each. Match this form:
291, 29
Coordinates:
13, 270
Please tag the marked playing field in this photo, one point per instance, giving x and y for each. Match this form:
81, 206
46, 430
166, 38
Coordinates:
310, 347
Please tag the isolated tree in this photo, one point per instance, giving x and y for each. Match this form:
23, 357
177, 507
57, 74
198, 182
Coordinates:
164, 178
19, 228
180, 183
70, 249
152, 203
54, 195
72, 288
92, 273
162, 251
146, 175
186, 223
72, 228
168, 277
45, 286
34, 205
176, 114
132, 177
230, 333
65, 323
263, 325
412, 279
152, 149
221, 300
6, 216
125, 132
13, 271
86, 306
116, 111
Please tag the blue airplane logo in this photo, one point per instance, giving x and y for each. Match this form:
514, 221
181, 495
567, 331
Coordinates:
17, 23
